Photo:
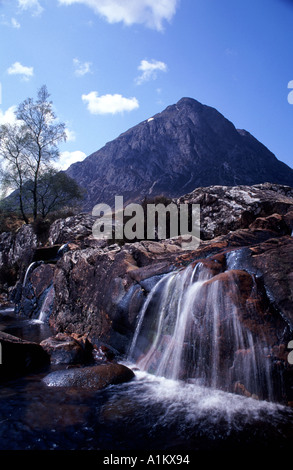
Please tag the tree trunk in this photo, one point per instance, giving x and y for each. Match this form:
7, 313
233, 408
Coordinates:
22, 208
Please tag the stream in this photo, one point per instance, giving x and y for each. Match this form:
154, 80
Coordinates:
150, 413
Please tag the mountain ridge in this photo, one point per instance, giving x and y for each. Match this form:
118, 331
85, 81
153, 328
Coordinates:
185, 146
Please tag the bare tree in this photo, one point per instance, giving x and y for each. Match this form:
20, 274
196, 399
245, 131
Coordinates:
14, 172
43, 133
28, 147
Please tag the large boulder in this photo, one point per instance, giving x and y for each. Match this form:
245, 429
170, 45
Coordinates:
91, 377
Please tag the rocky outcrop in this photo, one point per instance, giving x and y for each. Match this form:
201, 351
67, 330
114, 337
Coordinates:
188, 145
100, 291
99, 287
20, 357
72, 228
224, 208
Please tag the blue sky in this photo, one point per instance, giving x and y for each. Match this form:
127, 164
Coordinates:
110, 64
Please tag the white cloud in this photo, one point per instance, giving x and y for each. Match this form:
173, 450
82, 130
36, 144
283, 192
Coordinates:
81, 68
14, 23
109, 104
10, 23
18, 69
149, 70
33, 5
70, 135
9, 116
151, 13
290, 95
67, 158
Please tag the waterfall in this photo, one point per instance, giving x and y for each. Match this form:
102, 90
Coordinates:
29, 270
47, 305
193, 327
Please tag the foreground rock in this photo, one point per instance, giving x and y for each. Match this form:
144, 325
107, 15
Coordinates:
94, 377
65, 349
20, 357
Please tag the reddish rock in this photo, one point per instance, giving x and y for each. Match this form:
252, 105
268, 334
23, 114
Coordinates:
93, 290
274, 222
274, 259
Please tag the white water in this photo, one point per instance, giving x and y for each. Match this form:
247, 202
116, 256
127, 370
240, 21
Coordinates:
196, 402
190, 328
193, 412
28, 271
47, 305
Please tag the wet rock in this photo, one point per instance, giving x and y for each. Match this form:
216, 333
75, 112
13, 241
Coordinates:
253, 307
20, 357
274, 260
246, 238
99, 291
103, 354
93, 377
36, 291
65, 349
41, 278
16, 253
240, 389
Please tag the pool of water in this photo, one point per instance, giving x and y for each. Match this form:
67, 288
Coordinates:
147, 414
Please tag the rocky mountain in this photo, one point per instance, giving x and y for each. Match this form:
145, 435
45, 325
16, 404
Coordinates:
186, 146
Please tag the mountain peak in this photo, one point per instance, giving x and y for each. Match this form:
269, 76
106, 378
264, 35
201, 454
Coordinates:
187, 145
186, 101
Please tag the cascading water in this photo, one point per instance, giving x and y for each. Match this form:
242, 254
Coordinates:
30, 268
47, 304
191, 328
